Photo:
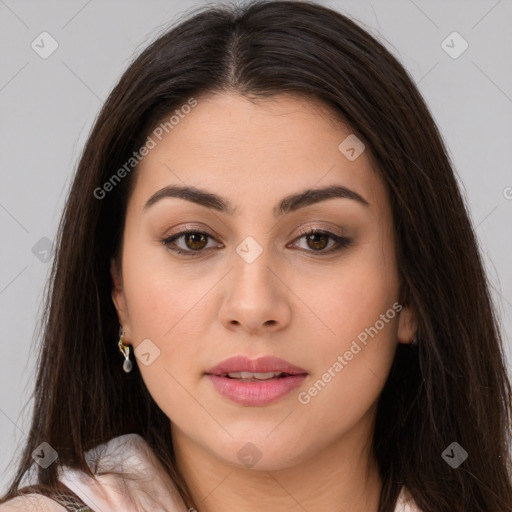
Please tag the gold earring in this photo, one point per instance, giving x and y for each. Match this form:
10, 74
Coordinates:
125, 350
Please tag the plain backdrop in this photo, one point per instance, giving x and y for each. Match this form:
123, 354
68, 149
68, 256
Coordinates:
48, 105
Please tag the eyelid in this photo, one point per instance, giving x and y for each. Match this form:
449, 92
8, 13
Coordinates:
305, 230
341, 241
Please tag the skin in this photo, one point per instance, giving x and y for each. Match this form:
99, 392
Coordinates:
291, 302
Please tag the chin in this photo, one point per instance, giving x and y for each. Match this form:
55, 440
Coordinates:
261, 452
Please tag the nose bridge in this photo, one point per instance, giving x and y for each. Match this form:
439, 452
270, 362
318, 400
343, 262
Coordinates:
253, 262
253, 252
255, 296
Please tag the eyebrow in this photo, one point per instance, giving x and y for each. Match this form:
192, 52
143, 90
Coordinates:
288, 204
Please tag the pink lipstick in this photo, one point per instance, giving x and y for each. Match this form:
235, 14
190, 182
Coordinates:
255, 382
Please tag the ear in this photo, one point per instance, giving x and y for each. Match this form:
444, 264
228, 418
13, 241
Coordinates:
119, 299
407, 325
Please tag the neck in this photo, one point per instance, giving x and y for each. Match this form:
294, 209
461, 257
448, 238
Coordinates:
342, 477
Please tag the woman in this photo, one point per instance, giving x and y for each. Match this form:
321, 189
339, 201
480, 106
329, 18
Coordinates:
267, 294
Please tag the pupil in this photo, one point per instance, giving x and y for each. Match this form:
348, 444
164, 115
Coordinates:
192, 237
311, 239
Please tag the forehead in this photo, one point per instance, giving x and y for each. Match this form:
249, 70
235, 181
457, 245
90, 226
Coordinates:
249, 151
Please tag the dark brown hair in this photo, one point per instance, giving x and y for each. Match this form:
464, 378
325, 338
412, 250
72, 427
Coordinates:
451, 386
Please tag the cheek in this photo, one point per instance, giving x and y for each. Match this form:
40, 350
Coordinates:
171, 312
354, 355
351, 366
161, 311
161, 294
351, 296
168, 308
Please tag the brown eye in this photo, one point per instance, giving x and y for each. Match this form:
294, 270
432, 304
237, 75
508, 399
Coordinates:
196, 240
189, 243
192, 242
317, 241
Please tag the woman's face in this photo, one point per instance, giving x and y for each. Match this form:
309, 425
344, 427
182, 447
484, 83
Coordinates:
252, 283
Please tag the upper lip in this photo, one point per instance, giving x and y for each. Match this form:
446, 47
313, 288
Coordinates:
263, 364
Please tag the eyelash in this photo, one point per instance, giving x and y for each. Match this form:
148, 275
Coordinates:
340, 240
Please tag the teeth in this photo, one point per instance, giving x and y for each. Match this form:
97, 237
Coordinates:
251, 375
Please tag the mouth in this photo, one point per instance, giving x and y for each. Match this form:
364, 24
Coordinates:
256, 377
262, 368
255, 382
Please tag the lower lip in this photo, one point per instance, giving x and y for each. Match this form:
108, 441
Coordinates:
256, 393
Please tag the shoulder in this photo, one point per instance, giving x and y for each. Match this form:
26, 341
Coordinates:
31, 503
128, 476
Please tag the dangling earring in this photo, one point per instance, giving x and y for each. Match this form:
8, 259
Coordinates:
414, 340
125, 350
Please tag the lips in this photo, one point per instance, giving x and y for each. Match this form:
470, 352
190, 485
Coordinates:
265, 364
255, 382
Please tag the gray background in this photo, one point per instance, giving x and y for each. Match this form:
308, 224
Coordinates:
47, 107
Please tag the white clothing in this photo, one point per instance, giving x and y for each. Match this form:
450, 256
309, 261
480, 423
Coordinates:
152, 491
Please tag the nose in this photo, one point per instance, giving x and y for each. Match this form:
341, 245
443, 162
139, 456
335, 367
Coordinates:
256, 298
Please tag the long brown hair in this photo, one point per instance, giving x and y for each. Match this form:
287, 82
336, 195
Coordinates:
450, 387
